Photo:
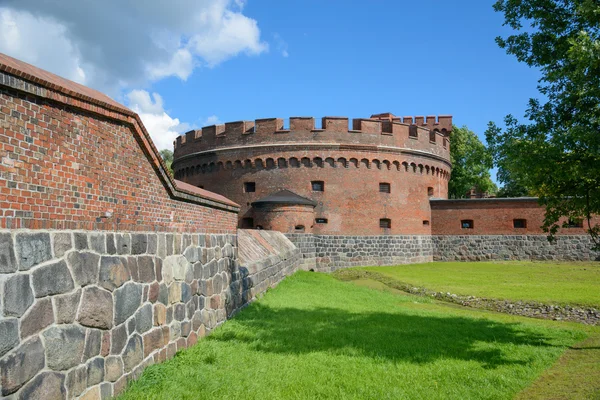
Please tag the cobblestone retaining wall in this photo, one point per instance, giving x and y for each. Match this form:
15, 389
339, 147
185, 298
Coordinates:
81, 313
513, 247
335, 252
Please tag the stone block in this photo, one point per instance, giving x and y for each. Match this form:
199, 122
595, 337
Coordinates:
161, 247
21, 365
93, 343
8, 261
76, 381
47, 386
80, 239
152, 243
127, 299
95, 371
133, 353
98, 242
105, 347
139, 243
153, 292
175, 292
40, 316
17, 295
146, 269
118, 338
123, 243
160, 314
110, 244
64, 346
179, 311
132, 266
143, 318
186, 328
153, 340
163, 294
158, 267
106, 391
96, 308
113, 273
9, 335
92, 393
84, 266
191, 254
66, 306
53, 278
32, 249
113, 368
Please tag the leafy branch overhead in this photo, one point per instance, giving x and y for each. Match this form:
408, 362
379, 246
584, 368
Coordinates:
471, 163
556, 153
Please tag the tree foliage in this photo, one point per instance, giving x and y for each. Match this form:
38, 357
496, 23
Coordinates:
167, 156
471, 163
556, 153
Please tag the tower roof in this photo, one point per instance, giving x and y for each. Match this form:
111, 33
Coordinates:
285, 197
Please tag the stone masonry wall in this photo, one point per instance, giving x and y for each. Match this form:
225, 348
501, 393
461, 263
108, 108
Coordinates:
82, 313
513, 247
335, 252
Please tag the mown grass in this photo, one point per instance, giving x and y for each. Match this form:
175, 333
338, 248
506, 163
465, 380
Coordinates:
314, 337
546, 282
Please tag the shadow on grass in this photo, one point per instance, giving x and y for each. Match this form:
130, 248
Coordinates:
385, 336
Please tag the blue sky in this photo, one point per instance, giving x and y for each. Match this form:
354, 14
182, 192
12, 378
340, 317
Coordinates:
409, 58
190, 63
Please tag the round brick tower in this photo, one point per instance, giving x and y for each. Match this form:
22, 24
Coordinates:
373, 179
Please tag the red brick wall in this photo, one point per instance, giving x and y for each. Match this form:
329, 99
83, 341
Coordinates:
490, 217
65, 167
351, 200
285, 217
351, 163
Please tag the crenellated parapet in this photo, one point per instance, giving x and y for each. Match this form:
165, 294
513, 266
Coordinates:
385, 129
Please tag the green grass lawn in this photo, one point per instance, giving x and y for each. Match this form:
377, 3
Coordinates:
314, 337
551, 283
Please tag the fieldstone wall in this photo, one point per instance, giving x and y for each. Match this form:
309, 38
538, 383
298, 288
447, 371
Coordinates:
334, 252
513, 247
81, 313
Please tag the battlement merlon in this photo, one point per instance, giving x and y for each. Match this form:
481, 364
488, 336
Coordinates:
376, 124
443, 123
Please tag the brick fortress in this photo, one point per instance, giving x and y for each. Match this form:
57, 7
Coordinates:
109, 264
376, 178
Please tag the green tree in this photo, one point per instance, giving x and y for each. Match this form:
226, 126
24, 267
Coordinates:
471, 163
556, 153
167, 156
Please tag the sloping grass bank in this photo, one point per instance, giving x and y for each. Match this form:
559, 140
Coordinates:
316, 337
544, 282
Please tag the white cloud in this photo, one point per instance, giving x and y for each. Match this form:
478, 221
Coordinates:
163, 129
282, 46
116, 44
212, 120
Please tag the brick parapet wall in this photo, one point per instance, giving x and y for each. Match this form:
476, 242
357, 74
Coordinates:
364, 131
71, 158
82, 313
513, 247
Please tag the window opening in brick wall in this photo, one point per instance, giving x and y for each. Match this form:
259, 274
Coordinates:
432, 136
574, 223
412, 131
430, 191
318, 186
249, 187
201, 186
321, 220
466, 224
385, 187
519, 223
385, 223
247, 223
299, 229
425, 222
445, 143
